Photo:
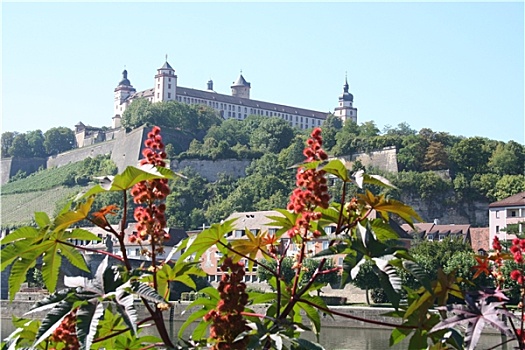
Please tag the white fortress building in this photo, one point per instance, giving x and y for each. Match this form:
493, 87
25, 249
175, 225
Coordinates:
238, 105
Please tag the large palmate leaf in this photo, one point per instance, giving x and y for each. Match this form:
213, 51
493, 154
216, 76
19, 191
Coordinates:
180, 272
475, 315
385, 206
129, 178
52, 320
250, 246
312, 312
285, 221
389, 280
88, 318
208, 238
68, 218
362, 178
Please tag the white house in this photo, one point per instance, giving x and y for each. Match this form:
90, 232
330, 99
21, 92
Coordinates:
510, 210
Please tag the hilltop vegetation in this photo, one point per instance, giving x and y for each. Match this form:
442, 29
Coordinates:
435, 167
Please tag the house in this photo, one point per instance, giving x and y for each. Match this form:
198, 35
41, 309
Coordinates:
437, 232
258, 221
508, 211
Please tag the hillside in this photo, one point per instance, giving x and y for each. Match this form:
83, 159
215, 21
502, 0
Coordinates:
18, 208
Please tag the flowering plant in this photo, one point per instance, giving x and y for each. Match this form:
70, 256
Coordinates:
101, 312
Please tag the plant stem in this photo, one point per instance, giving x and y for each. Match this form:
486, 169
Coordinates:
121, 331
92, 250
333, 312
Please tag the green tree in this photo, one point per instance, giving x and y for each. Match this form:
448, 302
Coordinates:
20, 147
272, 135
309, 267
366, 279
412, 154
507, 159
368, 129
35, 141
402, 129
509, 185
471, 156
136, 114
6, 142
58, 140
331, 126
433, 255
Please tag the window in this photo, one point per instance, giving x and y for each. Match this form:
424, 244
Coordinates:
238, 233
137, 251
158, 86
430, 237
169, 95
441, 237
513, 213
325, 245
169, 86
272, 231
169, 79
158, 95
497, 229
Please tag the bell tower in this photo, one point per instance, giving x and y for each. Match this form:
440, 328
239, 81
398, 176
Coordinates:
122, 93
165, 83
241, 88
344, 109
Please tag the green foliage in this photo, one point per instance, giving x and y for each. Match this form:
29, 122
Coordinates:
6, 142
65, 175
20, 147
194, 119
58, 140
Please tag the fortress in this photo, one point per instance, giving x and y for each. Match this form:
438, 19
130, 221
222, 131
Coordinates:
125, 147
238, 105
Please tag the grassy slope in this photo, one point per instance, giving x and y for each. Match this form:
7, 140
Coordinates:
38, 192
19, 208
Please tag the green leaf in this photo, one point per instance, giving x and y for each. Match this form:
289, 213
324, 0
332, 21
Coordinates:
362, 178
126, 309
417, 271
74, 257
41, 219
398, 334
18, 275
390, 282
146, 292
383, 230
284, 222
129, 178
313, 316
67, 219
190, 319
305, 344
88, 317
337, 168
50, 301
51, 267
207, 238
19, 234
82, 234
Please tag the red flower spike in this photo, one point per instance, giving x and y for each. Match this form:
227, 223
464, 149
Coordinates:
151, 218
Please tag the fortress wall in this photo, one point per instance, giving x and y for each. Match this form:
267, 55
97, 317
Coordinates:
127, 149
210, 169
10, 166
5, 170
385, 159
79, 154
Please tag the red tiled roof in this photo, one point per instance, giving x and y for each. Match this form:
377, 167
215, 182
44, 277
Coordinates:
512, 201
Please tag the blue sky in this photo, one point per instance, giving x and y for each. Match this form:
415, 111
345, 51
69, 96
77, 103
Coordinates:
453, 67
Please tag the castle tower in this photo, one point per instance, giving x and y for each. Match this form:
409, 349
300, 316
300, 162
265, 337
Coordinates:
344, 110
165, 83
241, 88
122, 92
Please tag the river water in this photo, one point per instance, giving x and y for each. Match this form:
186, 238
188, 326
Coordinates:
334, 338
